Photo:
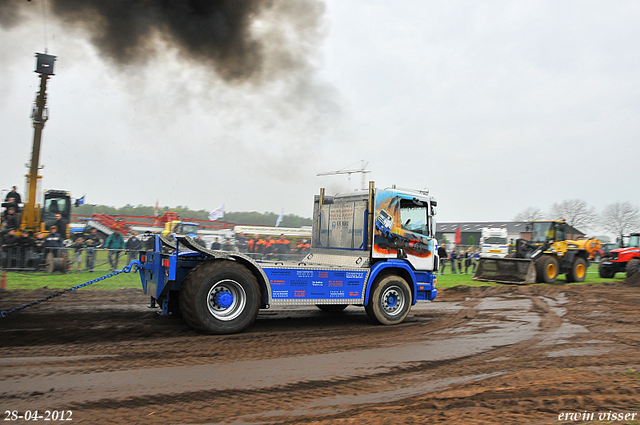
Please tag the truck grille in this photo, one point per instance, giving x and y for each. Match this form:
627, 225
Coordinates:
613, 255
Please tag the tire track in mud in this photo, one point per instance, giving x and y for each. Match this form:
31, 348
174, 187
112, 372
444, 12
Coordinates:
521, 379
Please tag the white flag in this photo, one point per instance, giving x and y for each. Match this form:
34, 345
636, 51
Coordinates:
279, 220
217, 213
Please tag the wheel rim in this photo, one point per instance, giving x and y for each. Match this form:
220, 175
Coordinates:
226, 300
393, 300
580, 271
551, 270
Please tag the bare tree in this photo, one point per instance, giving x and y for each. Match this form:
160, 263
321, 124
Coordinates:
620, 218
529, 214
575, 212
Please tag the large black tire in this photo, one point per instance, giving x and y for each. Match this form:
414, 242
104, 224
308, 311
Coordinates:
547, 269
389, 300
219, 297
633, 267
332, 308
578, 270
606, 272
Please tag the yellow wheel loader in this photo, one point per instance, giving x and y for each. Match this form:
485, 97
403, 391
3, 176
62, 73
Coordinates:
541, 259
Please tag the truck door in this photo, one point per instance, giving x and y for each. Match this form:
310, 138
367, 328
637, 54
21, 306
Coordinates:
410, 236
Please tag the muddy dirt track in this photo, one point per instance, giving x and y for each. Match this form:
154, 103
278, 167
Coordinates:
507, 354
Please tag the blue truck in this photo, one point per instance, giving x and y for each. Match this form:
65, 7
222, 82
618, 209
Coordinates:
351, 262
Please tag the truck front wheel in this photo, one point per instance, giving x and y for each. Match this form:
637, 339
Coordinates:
219, 297
390, 301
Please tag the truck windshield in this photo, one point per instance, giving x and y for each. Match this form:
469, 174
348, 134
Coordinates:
414, 217
495, 240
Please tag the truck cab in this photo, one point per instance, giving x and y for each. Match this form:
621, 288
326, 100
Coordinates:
494, 242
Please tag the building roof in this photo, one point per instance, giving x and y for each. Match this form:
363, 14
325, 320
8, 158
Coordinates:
513, 227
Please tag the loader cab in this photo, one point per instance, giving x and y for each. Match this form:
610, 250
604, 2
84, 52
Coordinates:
548, 231
56, 202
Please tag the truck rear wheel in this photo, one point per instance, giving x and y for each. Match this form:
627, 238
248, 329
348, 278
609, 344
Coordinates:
633, 267
578, 270
390, 300
219, 297
547, 269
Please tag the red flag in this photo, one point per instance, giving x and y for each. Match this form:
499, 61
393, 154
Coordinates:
458, 237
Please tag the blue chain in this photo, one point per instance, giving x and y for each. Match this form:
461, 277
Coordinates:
125, 269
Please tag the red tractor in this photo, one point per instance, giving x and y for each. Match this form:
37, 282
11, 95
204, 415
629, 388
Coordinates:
625, 259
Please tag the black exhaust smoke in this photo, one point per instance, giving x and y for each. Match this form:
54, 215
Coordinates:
215, 33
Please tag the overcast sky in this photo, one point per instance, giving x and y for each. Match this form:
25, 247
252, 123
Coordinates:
494, 106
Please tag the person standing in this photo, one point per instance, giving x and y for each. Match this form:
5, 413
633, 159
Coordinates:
253, 244
12, 221
53, 241
9, 242
215, 245
303, 247
114, 243
268, 248
78, 247
282, 247
241, 243
453, 257
15, 195
442, 254
227, 246
61, 224
468, 259
133, 245
200, 241
92, 241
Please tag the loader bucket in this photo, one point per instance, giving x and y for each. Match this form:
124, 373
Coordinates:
506, 270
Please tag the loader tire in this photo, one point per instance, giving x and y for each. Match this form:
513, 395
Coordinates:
578, 270
331, 308
606, 272
547, 269
219, 297
389, 300
633, 267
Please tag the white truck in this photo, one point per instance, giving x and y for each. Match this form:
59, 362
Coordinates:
494, 242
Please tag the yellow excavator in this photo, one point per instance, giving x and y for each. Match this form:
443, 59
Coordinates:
37, 217
541, 259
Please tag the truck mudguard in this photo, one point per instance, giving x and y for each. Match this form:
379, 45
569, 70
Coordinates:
422, 283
